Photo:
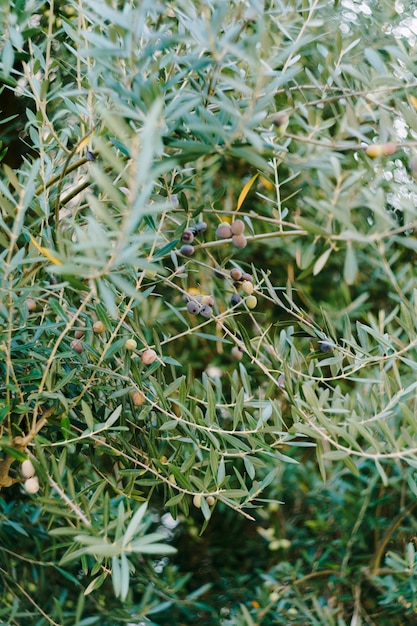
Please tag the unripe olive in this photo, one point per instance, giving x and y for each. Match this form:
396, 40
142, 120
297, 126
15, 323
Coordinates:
131, 344
375, 150
138, 398
187, 250
98, 327
79, 334
27, 470
206, 311
224, 230
187, 236
236, 273
237, 227
210, 500
197, 501
251, 302
31, 485
237, 353
31, 304
247, 287
77, 345
193, 307
149, 356
239, 241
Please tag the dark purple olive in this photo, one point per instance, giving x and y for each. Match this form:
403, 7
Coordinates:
325, 345
206, 310
235, 299
200, 227
187, 250
187, 236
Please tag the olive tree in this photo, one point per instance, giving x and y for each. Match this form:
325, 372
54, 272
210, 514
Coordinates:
208, 213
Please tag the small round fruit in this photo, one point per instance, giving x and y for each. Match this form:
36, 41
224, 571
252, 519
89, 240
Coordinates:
131, 344
27, 470
239, 241
247, 276
53, 280
224, 230
187, 236
77, 345
31, 485
280, 120
236, 273
197, 501
98, 327
238, 226
193, 307
210, 500
375, 150
206, 311
207, 300
247, 287
149, 356
138, 398
200, 227
251, 302
79, 334
325, 345
281, 381
90, 156
187, 250
235, 299
237, 353
31, 304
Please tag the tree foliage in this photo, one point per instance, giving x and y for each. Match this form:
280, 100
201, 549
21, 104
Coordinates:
208, 215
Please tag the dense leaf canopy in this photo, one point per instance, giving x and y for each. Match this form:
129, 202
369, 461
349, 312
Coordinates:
208, 312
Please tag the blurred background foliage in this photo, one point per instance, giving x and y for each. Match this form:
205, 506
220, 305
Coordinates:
255, 463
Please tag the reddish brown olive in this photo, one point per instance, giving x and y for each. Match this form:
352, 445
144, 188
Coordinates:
239, 241
149, 356
236, 273
77, 345
237, 227
224, 230
138, 397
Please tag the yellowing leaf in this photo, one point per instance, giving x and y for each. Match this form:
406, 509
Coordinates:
45, 252
413, 101
84, 142
267, 183
245, 191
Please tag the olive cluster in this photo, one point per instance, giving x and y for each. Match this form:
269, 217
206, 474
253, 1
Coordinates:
233, 231
244, 282
200, 305
188, 236
31, 484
